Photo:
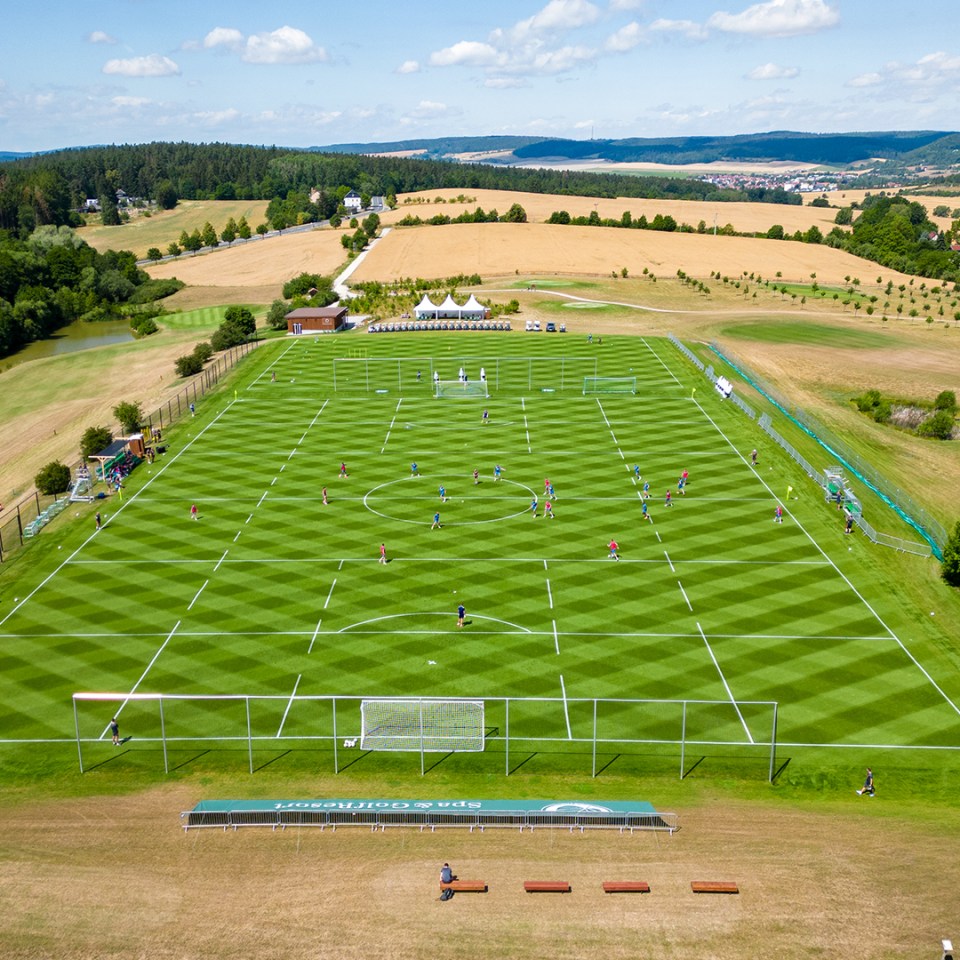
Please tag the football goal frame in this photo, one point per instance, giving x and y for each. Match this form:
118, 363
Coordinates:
461, 389
594, 385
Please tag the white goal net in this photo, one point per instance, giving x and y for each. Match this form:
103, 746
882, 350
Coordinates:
609, 385
461, 388
424, 726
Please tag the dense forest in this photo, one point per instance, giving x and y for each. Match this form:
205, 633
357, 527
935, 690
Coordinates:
51, 188
48, 276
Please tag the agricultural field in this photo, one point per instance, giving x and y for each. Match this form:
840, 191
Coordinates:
745, 217
164, 227
274, 594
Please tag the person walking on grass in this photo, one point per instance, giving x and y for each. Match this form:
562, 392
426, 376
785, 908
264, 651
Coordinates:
668, 502
383, 553
753, 456
548, 510
436, 522
194, 515
646, 490
533, 507
343, 470
324, 496
476, 476
99, 520
645, 512
636, 471
461, 613
868, 788
443, 493
614, 547
497, 470
414, 469
115, 733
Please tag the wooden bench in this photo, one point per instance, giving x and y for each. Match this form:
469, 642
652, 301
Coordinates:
626, 886
465, 886
546, 886
714, 886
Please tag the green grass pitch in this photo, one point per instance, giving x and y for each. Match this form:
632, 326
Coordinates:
271, 593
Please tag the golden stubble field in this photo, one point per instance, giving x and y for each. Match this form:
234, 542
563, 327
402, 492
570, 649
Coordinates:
745, 217
117, 877
500, 249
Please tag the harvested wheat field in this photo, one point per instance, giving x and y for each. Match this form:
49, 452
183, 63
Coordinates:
261, 263
744, 217
117, 877
499, 249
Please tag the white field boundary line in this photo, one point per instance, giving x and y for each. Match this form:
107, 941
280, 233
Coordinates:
386, 439
503, 560
780, 743
609, 303
257, 380
726, 685
313, 639
556, 638
526, 425
685, 597
616, 442
549, 595
196, 596
936, 686
643, 340
758, 637
326, 602
143, 675
283, 719
123, 506
566, 708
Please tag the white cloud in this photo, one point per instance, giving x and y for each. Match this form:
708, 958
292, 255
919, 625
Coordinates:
409, 66
778, 18
772, 71
215, 118
224, 37
98, 36
469, 53
618, 6
626, 38
429, 108
505, 83
285, 45
689, 28
865, 80
129, 101
557, 16
153, 65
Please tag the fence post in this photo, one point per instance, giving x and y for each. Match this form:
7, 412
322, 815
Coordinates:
506, 735
19, 525
163, 738
683, 738
594, 736
249, 735
773, 743
336, 756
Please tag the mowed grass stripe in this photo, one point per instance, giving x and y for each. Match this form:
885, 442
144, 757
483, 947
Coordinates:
779, 619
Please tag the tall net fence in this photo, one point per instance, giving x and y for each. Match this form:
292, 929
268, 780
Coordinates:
898, 499
499, 731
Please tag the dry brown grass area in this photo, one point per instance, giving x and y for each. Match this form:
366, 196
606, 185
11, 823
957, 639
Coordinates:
116, 877
498, 249
39, 426
265, 263
745, 217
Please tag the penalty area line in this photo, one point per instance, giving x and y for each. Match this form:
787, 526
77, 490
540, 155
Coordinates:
566, 709
283, 719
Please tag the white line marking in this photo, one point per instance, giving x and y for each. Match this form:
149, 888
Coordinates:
556, 638
283, 467
196, 595
225, 552
264, 497
292, 453
667, 555
237, 537
936, 686
657, 355
725, 684
314, 637
283, 719
566, 709
143, 675
330, 594
387, 437
248, 518
685, 597
549, 595
272, 482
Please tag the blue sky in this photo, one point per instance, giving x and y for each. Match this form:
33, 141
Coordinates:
298, 73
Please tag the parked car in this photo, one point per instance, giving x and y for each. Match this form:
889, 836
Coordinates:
551, 327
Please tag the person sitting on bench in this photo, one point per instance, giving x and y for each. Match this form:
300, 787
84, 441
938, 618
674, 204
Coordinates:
446, 874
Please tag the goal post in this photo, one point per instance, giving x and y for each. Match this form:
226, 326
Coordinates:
609, 385
461, 389
424, 726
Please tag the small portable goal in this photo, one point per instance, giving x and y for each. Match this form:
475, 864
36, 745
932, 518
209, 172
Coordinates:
461, 389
